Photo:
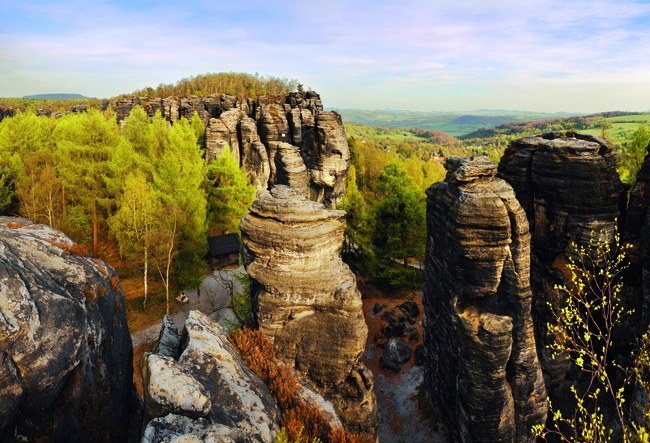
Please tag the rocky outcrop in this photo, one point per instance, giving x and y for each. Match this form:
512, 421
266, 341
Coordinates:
191, 105
305, 299
480, 361
221, 132
290, 170
273, 125
637, 232
568, 185
124, 106
326, 155
208, 390
254, 157
6, 111
65, 351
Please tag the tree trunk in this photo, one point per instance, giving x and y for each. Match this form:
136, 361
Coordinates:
146, 269
405, 267
95, 229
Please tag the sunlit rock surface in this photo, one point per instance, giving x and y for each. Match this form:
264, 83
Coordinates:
208, 390
66, 359
305, 299
480, 361
568, 185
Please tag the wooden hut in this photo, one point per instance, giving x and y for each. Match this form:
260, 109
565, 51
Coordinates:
224, 250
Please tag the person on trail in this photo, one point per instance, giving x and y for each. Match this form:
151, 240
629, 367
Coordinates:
198, 294
184, 298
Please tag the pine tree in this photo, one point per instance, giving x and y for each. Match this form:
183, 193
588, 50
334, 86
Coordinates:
400, 227
229, 192
84, 145
356, 242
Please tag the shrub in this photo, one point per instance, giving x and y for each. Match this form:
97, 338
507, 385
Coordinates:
303, 423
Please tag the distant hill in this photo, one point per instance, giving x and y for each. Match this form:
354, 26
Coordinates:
455, 124
58, 97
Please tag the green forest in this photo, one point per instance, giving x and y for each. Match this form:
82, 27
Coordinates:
145, 187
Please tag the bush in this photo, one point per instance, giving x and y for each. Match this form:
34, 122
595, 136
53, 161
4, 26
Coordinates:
302, 423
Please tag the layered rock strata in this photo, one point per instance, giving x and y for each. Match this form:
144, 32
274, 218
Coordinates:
568, 185
480, 360
207, 391
306, 301
66, 357
637, 232
326, 155
290, 170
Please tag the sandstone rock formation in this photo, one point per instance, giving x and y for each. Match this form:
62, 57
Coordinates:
254, 157
290, 170
326, 154
305, 298
480, 361
65, 351
568, 185
6, 111
208, 390
637, 231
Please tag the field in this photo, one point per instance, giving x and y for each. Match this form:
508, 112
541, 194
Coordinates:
622, 127
454, 124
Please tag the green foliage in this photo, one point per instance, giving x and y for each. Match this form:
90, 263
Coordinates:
229, 192
605, 125
585, 327
230, 83
633, 155
178, 181
282, 437
356, 243
199, 129
77, 225
399, 221
241, 305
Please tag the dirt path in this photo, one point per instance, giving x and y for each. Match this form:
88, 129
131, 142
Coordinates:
213, 296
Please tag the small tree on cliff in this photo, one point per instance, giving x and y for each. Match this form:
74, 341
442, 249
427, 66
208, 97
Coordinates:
399, 220
591, 309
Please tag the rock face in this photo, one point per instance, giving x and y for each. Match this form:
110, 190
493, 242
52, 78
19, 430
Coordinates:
66, 357
208, 390
254, 157
305, 298
290, 170
568, 185
480, 360
637, 231
326, 154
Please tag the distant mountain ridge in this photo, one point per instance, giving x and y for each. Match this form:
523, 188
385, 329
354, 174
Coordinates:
452, 123
58, 97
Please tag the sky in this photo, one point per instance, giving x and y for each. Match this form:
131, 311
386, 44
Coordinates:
452, 55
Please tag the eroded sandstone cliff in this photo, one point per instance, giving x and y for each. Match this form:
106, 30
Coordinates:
306, 301
480, 360
66, 359
568, 185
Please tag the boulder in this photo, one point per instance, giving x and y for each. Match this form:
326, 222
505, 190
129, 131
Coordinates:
169, 340
411, 308
209, 387
221, 132
171, 107
169, 388
180, 429
66, 357
396, 353
479, 357
305, 299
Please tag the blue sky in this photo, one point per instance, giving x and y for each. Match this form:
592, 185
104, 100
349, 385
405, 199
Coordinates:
577, 56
